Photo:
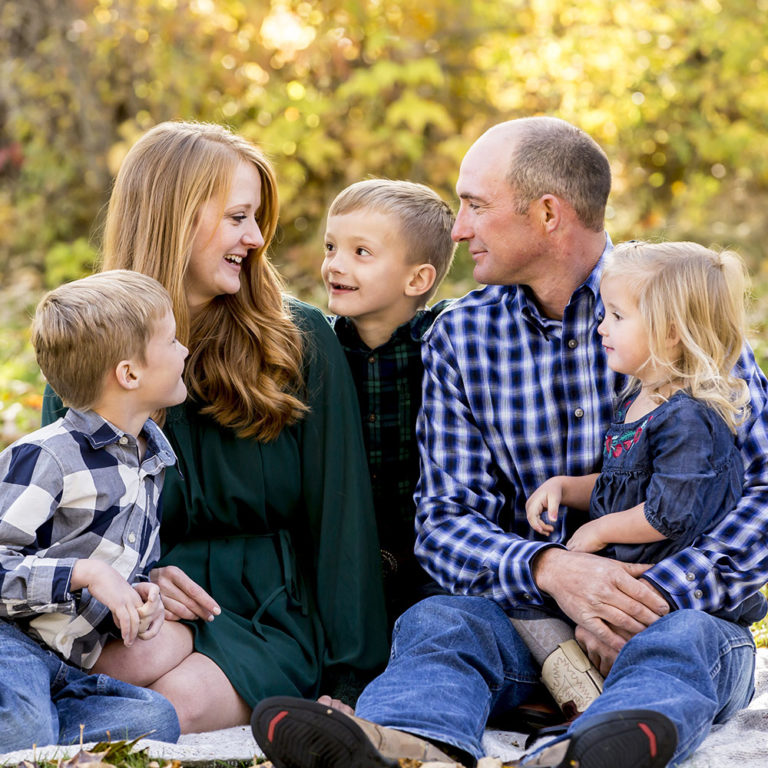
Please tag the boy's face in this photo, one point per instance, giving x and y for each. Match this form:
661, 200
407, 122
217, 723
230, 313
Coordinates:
366, 268
161, 382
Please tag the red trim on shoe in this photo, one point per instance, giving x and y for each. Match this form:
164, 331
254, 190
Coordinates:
273, 722
651, 737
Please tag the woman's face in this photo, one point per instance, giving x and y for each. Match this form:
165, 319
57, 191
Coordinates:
224, 239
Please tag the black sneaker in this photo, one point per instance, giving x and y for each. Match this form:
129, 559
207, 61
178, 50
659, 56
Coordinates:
630, 738
296, 733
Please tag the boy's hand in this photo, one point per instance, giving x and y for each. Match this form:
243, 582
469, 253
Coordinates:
587, 538
547, 497
152, 613
110, 588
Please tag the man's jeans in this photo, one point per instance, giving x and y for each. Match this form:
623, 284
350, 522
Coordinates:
457, 660
44, 700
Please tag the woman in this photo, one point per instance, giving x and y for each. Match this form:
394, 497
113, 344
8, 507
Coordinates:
268, 531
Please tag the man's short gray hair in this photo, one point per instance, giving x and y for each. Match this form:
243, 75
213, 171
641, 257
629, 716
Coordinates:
554, 157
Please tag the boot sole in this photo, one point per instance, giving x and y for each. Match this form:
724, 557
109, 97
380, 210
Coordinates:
633, 738
294, 733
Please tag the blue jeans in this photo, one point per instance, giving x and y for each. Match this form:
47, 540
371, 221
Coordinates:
43, 700
455, 661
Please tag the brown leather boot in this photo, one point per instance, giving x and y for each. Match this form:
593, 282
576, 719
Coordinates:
296, 733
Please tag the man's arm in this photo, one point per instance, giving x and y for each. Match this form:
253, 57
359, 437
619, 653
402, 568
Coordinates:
459, 540
729, 563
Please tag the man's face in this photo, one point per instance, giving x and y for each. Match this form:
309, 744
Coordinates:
505, 245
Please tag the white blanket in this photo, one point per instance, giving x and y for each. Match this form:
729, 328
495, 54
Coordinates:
742, 742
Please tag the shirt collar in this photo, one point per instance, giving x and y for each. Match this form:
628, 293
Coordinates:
414, 329
99, 432
552, 327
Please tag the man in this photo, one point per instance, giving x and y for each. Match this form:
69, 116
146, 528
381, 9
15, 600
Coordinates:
516, 390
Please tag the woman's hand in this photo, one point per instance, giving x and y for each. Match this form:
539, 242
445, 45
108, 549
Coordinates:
182, 597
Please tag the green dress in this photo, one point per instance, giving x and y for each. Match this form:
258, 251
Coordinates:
282, 535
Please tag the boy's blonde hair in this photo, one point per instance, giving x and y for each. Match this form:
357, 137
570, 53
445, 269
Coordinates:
698, 294
426, 220
83, 329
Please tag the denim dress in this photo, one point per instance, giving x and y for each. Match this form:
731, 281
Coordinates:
681, 460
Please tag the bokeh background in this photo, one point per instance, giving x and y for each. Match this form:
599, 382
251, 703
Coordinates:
674, 90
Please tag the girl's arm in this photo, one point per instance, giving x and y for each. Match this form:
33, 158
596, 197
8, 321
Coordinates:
629, 526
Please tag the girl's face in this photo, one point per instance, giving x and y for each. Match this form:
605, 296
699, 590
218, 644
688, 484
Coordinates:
624, 332
224, 238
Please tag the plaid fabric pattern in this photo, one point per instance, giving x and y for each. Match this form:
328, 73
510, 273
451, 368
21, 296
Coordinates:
76, 489
388, 382
511, 399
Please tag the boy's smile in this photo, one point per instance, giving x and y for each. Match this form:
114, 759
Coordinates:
367, 271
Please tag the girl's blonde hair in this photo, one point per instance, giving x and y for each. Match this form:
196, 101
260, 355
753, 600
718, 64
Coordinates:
697, 294
245, 361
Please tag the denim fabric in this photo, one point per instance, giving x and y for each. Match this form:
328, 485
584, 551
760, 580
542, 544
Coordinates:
43, 700
457, 660
681, 460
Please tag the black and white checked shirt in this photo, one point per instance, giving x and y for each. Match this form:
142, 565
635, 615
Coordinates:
76, 489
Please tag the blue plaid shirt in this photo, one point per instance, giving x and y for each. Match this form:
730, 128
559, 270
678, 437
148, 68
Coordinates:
76, 489
512, 398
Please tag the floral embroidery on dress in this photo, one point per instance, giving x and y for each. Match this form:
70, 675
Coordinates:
615, 445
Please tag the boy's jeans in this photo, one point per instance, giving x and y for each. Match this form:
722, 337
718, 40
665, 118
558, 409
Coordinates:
455, 660
43, 700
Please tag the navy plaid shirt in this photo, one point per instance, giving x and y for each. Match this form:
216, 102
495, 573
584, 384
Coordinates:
388, 383
512, 398
76, 489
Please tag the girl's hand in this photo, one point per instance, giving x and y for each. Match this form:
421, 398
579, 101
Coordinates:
587, 538
182, 597
547, 497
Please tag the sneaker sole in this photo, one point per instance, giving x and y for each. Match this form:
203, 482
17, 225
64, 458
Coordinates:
633, 738
294, 733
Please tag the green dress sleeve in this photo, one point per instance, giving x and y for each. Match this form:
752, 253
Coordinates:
338, 499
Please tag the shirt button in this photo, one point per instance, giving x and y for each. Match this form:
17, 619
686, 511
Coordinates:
371, 359
690, 576
526, 596
572, 343
578, 413
698, 594
131, 537
123, 440
372, 417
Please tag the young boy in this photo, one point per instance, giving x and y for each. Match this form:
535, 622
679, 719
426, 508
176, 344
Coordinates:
387, 247
78, 515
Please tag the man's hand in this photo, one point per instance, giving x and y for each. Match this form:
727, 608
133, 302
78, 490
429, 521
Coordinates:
602, 596
600, 654
182, 597
109, 587
152, 613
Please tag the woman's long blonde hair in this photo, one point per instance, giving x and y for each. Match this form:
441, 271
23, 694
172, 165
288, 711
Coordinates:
697, 294
245, 351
